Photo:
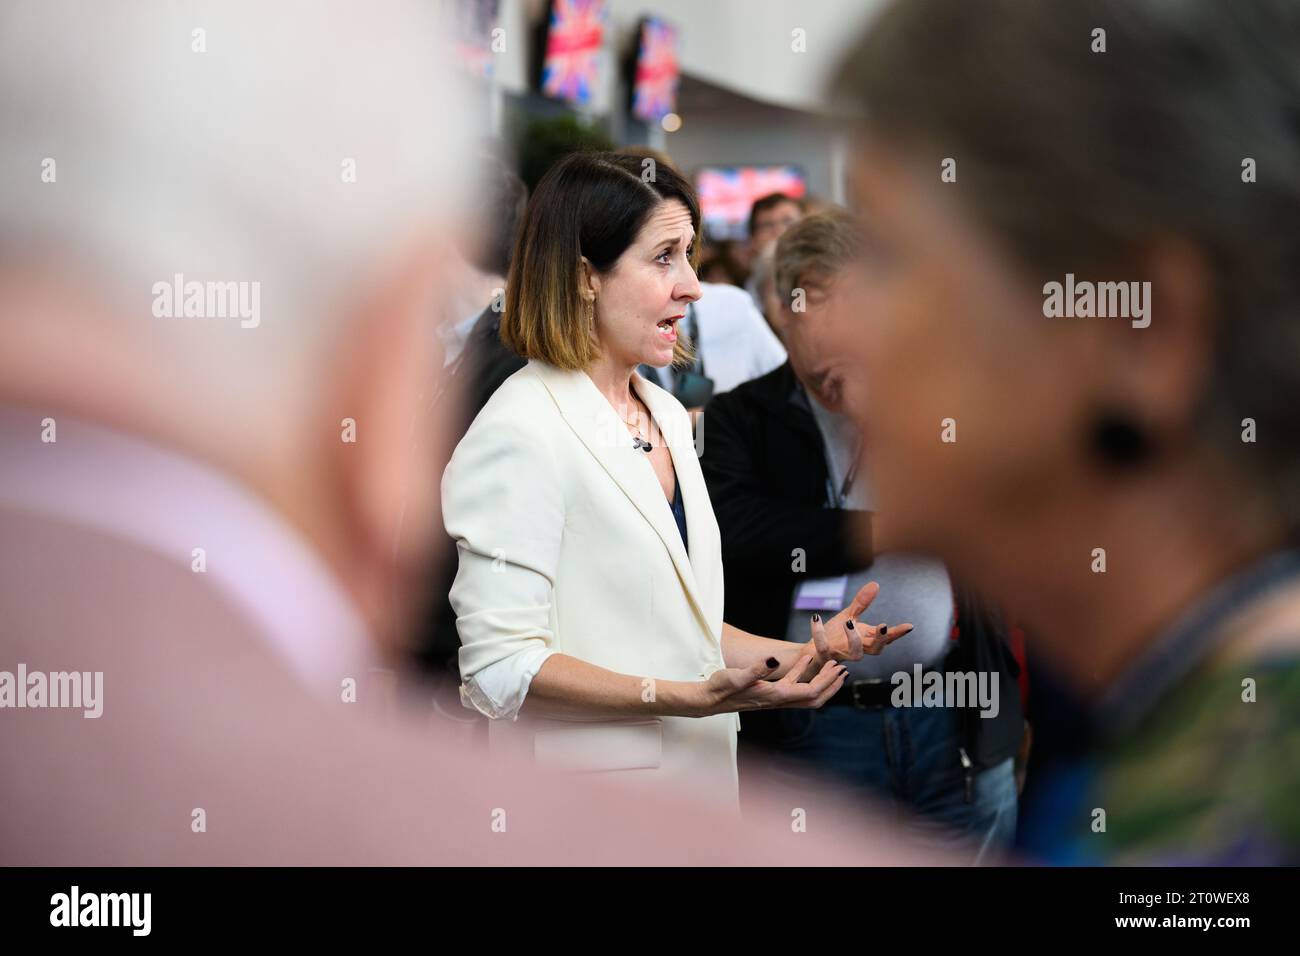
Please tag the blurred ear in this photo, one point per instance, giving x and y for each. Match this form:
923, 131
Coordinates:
391, 394
1160, 372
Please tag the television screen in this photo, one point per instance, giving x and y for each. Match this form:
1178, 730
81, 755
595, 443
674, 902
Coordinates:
572, 63
656, 72
727, 192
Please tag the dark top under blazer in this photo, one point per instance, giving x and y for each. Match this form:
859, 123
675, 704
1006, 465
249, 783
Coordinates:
679, 511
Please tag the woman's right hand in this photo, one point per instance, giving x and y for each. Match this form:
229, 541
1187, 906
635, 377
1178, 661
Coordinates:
747, 688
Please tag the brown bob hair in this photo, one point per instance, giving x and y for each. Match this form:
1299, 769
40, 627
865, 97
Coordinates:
592, 205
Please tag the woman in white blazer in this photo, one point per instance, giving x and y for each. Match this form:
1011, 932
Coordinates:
589, 588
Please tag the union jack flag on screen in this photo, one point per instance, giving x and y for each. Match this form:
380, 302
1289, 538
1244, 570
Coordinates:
657, 72
726, 193
573, 50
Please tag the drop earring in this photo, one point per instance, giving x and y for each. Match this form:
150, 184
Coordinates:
1118, 441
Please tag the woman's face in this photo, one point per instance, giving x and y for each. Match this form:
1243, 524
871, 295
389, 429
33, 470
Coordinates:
971, 401
642, 298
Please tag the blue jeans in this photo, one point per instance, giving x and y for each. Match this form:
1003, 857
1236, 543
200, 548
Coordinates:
909, 760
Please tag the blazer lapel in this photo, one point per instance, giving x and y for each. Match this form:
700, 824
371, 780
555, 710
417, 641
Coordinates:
596, 423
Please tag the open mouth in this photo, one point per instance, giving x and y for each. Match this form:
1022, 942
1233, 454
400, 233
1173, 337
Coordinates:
668, 328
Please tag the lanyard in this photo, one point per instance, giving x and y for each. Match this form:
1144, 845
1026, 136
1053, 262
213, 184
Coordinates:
832, 500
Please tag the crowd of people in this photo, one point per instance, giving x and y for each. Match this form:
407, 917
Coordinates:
1078, 444
681, 540
778, 457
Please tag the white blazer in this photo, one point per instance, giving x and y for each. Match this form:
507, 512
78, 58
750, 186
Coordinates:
567, 544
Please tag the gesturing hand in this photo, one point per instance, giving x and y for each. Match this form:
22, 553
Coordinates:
843, 638
746, 688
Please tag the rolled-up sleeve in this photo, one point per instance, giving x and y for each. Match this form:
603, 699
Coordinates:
503, 505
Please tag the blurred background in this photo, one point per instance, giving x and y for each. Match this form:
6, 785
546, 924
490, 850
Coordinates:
731, 90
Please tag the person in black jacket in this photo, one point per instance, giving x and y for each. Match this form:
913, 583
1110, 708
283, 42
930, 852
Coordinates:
481, 365
780, 461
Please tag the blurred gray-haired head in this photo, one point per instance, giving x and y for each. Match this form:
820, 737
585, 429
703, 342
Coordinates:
815, 247
295, 145
224, 230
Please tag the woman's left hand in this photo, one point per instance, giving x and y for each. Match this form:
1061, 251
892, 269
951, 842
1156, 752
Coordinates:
844, 638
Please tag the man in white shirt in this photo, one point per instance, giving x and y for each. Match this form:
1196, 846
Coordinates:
769, 218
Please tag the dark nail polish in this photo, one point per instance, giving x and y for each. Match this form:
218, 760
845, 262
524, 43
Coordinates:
884, 629
772, 662
849, 624
817, 618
